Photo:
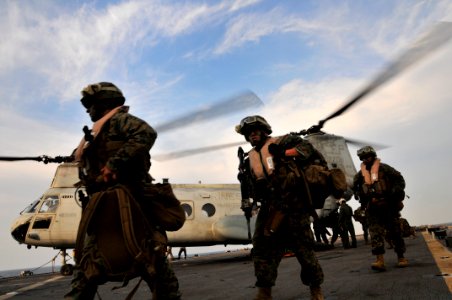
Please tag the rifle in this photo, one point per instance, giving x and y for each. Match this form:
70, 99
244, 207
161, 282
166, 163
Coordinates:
244, 179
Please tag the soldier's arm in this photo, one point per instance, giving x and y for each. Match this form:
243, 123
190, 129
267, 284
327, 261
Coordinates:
397, 182
296, 146
140, 139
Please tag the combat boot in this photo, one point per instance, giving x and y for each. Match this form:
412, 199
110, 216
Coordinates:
403, 262
379, 264
316, 293
264, 293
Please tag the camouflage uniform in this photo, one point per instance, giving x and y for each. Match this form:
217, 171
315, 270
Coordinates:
123, 145
294, 232
346, 225
383, 203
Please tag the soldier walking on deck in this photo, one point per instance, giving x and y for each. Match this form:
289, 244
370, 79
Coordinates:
346, 224
283, 220
380, 189
115, 153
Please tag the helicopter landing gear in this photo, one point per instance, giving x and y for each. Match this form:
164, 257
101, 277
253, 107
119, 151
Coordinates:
66, 269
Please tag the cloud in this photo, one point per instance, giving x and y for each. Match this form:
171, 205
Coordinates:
406, 21
73, 46
251, 27
22, 136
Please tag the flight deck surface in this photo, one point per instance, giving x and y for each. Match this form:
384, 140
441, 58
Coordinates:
231, 276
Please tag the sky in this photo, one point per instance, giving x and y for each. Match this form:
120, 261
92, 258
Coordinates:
303, 59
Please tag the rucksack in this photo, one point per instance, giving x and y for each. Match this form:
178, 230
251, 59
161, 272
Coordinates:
161, 207
114, 240
324, 182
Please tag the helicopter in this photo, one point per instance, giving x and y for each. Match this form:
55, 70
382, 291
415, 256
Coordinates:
213, 211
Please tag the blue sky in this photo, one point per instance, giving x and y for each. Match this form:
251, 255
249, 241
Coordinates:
303, 59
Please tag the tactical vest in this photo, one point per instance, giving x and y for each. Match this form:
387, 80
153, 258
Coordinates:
379, 188
290, 192
261, 162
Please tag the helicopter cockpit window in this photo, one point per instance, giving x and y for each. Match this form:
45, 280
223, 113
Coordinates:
208, 209
31, 208
42, 222
50, 204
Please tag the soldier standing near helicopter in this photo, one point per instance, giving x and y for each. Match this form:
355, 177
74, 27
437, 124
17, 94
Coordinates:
380, 190
283, 221
115, 151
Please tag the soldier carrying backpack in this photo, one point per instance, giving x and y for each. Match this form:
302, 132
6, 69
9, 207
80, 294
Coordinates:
380, 190
279, 184
116, 240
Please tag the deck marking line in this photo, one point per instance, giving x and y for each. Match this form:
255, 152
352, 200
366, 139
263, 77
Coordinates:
442, 257
30, 287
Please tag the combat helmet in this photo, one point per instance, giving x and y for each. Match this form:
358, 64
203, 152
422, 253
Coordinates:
366, 151
253, 122
105, 93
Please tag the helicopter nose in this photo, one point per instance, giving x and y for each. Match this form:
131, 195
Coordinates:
19, 232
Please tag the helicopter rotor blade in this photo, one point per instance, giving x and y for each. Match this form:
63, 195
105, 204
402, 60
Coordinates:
14, 158
438, 36
243, 100
246, 99
189, 152
43, 158
360, 143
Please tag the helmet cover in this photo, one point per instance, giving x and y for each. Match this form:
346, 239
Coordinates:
102, 92
252, 122
366, 151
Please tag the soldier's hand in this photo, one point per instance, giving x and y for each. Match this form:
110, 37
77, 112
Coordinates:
108, 175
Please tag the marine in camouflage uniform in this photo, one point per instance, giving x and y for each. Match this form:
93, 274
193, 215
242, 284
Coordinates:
380, 190
346, 224
283, 221
115, 151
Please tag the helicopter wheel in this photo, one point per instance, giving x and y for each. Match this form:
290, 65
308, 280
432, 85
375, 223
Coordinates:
67, 269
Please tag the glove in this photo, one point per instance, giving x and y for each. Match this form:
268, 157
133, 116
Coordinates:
276, 150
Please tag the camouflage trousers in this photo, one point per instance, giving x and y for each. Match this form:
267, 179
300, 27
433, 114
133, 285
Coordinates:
294, 234
385, 225
165, 285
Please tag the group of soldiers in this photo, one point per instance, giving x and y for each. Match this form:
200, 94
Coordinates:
277, 166
339, 219
114, 162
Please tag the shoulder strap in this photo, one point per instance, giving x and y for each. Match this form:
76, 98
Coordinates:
124, 201
84, 223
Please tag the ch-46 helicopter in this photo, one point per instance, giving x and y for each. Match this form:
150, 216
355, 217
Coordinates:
213, 211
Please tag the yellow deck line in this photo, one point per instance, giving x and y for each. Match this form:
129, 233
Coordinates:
442, 256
